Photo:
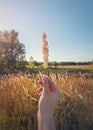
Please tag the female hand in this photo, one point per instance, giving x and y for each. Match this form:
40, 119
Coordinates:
50, 95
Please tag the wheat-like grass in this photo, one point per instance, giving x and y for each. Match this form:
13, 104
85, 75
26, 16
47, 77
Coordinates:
19, 99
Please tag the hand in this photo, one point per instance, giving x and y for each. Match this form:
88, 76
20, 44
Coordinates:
50, 95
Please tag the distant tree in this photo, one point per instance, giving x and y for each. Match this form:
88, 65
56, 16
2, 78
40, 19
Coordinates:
11, 50
55, 64
36, 64
21, 63
33, 63
30, 62
31, 59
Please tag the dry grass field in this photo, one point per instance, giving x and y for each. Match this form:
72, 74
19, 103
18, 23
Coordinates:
19, 99
83, 67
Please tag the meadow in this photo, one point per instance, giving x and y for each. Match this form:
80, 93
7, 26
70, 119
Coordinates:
19, 100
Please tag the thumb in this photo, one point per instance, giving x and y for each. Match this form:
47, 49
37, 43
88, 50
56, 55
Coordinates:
45, 85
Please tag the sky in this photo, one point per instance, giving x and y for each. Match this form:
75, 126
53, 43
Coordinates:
68, 25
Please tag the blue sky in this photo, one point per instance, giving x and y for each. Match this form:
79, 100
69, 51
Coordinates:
67, 23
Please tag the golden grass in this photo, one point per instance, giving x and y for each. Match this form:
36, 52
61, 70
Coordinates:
19, 99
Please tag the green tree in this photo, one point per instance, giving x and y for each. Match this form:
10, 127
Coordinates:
11, 50
30, 62
55, 64
21, 63
36, 64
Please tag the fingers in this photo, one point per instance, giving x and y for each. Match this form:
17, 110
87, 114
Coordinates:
40, 82
52, 85
40, 90
48, 85
45, 84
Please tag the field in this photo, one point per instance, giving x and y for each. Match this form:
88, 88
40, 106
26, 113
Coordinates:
19, 99
84, 67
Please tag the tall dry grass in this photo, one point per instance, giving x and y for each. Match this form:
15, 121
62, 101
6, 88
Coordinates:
19, 99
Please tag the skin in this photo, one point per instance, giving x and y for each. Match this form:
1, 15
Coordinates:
48, 101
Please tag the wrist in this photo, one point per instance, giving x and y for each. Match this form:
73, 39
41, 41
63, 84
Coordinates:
46, 121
